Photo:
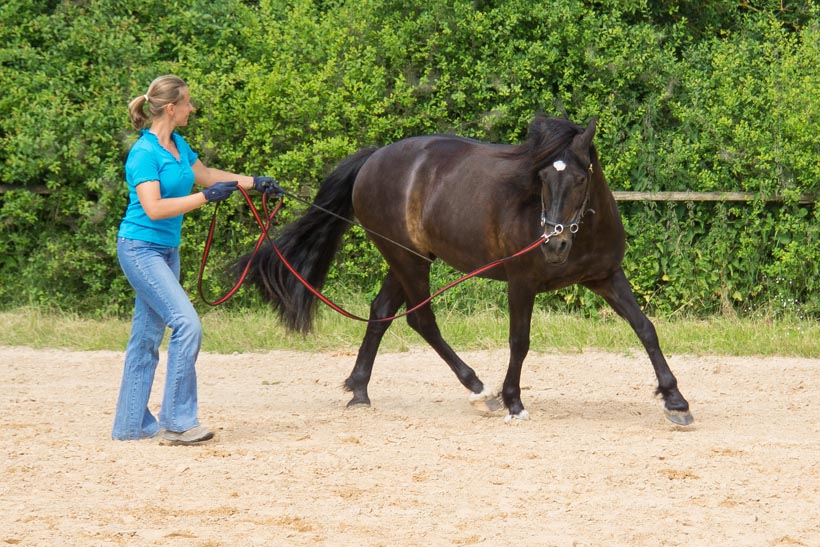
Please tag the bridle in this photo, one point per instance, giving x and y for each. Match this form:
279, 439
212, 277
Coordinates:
574, 225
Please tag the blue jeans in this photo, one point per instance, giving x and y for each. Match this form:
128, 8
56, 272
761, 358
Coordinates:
153, 271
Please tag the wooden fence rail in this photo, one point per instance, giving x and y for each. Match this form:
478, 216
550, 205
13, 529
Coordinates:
619, 196
704, 196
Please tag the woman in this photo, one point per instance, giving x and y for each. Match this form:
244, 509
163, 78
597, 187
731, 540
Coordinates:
160, 171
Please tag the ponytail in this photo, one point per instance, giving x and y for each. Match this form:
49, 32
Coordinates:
137, 111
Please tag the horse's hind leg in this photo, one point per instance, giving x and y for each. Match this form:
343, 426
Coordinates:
386, 304
619, 295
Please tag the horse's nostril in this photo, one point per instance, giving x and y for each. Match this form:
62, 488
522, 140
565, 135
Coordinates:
556, 251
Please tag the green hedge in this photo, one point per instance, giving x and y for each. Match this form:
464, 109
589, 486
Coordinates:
690, 97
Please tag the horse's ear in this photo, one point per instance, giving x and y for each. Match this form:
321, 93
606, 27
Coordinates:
583, 141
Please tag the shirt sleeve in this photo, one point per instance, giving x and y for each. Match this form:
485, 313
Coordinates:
141, 166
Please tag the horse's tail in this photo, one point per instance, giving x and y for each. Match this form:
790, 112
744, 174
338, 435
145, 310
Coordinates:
309, 245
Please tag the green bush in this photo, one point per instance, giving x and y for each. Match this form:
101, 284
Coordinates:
690, 97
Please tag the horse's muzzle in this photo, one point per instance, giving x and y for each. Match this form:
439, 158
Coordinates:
556, 249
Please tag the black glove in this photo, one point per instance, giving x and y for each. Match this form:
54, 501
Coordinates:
266, 185
219, 191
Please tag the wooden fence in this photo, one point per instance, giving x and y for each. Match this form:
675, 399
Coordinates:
704, 196
619, 196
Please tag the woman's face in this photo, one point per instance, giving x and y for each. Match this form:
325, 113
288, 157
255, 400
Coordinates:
183, 108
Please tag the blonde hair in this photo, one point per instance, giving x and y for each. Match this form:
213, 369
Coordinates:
163, 91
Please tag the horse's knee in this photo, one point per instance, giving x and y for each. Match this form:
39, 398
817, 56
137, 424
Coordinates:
422, 325
413, 322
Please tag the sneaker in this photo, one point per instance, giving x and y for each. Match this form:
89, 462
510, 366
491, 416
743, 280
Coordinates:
195, 435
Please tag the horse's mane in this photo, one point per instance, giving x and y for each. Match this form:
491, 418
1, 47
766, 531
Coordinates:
546, 137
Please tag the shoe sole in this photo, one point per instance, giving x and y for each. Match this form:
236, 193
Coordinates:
166, 441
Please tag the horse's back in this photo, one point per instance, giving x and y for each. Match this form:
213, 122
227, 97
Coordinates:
440, 194
401, 162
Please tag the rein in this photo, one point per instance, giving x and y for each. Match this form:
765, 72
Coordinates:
264, 225
265, 222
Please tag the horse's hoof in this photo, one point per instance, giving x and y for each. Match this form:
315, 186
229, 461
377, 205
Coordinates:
679, 417
488, 405
358, 403
511, 418
486, 401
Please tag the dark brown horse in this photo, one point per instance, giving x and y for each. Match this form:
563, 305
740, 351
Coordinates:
468, 203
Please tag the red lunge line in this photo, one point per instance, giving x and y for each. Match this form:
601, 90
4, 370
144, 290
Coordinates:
265, 226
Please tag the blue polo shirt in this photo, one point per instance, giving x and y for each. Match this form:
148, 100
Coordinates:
148, 161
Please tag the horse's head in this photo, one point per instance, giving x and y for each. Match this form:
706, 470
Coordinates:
565, 186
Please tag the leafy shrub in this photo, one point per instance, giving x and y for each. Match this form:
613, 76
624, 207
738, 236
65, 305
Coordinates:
690, 97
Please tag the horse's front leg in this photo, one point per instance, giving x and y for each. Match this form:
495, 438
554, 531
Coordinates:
617, 292
423, 321
414, 277
521, 302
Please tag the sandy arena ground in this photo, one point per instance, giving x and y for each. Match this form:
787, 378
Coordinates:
597, 463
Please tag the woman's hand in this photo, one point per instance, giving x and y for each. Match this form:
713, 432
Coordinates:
266, 185
219, 191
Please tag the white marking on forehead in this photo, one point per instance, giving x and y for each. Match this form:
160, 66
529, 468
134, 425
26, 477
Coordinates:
559, 165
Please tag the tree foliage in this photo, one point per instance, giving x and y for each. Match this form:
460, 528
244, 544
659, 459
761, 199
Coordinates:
690, 97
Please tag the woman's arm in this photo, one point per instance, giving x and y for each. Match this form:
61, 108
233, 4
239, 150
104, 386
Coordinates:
206, 176
157, 207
